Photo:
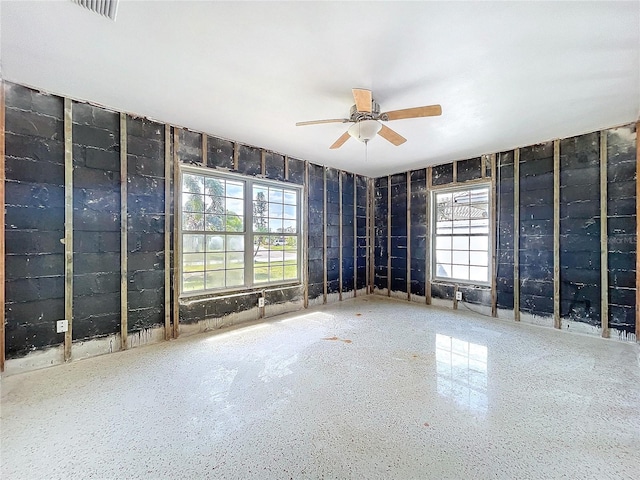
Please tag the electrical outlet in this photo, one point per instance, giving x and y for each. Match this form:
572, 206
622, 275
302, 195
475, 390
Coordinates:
260, 302
458, 295
62, 326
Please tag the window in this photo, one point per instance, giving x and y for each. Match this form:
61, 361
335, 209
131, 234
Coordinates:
237, 232
461, 235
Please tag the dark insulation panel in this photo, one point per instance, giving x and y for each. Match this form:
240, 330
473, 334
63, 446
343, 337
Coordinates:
34, 206
536, 229
621, 226
470, 169
295, 170
274, 166
332, 231
380, 250
189, 146
145, 224
96, 221
505, 234
316, 231
442, 174
399, 230
249, 160
219, 153
580, 229
418, 232
361, 231
348, 232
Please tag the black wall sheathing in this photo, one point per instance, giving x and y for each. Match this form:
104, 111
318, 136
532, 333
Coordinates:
399, 232
145, 223
536, 229
249, 160
348, 232
219, 153
295, 170
333, 231
442, 174
96, 221
470, 169
316, 231
418, 233
621, 227
274, 166
34, 208
189, 146
380, 251
580, 229
361, 231
505, 231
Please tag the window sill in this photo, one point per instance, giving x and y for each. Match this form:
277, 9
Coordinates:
236, 292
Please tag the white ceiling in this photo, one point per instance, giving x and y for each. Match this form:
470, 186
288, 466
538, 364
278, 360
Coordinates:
507, 74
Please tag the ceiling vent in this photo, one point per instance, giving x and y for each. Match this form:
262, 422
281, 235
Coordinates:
106, 8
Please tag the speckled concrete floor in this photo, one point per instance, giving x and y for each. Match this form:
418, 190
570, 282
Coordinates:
368, 388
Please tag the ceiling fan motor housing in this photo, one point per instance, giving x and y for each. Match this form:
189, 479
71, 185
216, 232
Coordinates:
374, 114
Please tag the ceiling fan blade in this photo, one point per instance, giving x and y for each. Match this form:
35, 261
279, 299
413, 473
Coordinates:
363, 99
428, 111
316, 122
339, 142
392, 136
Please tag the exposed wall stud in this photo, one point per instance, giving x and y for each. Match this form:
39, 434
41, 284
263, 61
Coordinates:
324, 235
68, 226
408, 236
637, 230
340, 227
176, 229
427, 267
236, 151
167, 232
305, 228
286, 167
604, 251
2, 233
370, 237
205, 153
494, 231
263, 166
557, 320
124, 275
355, 235
483, 166
455, 172
389, 235
516, 234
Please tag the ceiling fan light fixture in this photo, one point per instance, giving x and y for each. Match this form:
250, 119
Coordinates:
365, 130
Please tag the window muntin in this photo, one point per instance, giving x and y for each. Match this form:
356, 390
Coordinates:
219, 252
461, 235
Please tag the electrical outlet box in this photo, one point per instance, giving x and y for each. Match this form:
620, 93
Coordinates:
62, 326
260, 302
458, 295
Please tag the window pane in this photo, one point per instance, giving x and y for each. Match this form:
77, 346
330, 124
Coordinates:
289, 226
480, 274
275, 225
480, 243
235, 260
214, 186
235, 243
443, 256
275, 195
260, 274
290, 197
215, 243
214, 223
235, 223
235, 206
193, 203
460, 257
276, 255
192, 281
192, 183
290, 271
443, 270
192, 262
235, 189
275, 210
479, 258
235, 278
290, 212
192, 243
461, 243
215, 279
214, 204
215, 261
461, 272
443, 242
192, 221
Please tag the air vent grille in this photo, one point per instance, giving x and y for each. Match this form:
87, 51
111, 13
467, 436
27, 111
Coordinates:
106, 8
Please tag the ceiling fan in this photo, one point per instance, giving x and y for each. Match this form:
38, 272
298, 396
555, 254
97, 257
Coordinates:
366, 118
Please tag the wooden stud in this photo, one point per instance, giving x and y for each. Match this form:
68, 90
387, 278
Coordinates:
176, 240
388, 235
167, 232
2, 227
455, 172
516, 235
408, 236
483, 166
355, 235
340, 227
604, 251
427, 267
494, 232
263, 163
286, 167
455, 297
369, 238
236, 151
68, 226
637, 230
205, 151
557, 321
305, 227
124, 275
324, 235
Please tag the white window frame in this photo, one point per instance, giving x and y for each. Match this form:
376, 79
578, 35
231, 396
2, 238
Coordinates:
434, 235
248, 233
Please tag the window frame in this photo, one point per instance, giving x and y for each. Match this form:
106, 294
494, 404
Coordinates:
433, 233
248, 234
